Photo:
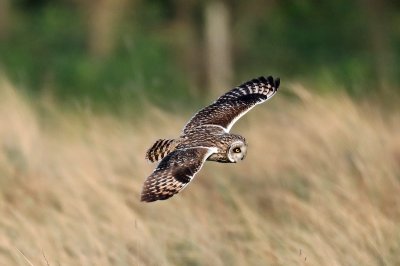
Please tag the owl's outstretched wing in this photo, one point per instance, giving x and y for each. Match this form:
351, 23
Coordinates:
228, 108
174, 172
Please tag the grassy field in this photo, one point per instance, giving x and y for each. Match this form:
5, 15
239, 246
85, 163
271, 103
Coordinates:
320, 186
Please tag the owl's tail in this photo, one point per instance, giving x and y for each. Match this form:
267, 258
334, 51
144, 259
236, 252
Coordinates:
160, 149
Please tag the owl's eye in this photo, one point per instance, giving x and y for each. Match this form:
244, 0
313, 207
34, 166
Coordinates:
236, 150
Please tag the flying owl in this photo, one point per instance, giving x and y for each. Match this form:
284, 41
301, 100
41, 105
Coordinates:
205, 137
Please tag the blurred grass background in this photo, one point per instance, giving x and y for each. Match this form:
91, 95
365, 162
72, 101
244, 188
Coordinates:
87, 86
111, 51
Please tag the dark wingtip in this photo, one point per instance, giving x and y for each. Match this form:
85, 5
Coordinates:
270, 80
277, 83
262, 79
274, 82
149, 197
145, 199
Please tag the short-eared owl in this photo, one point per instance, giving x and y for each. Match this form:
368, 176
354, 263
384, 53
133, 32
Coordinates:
205, 137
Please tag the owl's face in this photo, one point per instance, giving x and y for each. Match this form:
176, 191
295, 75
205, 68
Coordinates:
237, 151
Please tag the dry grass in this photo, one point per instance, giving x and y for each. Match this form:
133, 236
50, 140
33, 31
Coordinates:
320, 186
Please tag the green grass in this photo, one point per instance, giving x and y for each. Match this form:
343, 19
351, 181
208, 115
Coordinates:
46, 50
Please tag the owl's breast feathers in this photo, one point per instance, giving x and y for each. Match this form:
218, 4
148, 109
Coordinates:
210, 136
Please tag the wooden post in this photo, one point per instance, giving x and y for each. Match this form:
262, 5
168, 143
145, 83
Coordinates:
102, 18
218, 47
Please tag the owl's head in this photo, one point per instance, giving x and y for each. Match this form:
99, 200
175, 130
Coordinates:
237, 150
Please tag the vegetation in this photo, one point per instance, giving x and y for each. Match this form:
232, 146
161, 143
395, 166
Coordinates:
111, 51
87, 86
305, 195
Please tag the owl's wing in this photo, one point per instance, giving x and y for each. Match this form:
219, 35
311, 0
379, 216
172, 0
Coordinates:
228, 108
174, 172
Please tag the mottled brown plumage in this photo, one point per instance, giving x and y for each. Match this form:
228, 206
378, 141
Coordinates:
160, 149
205, 137
173, 173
